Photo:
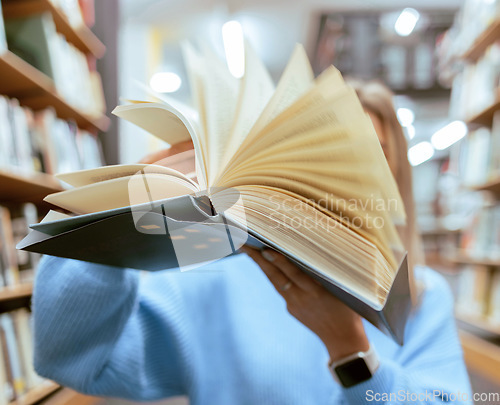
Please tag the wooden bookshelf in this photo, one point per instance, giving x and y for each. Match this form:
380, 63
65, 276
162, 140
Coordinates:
35, 395
485, 117
481, 356
36, 90
481, 324
492, 186
462, 258
70, 397
81, 37
487, 38
15, 292
438, 231
26, 188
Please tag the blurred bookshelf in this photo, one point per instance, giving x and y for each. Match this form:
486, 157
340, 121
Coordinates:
485, 117
15, 292
481, 356
493, 186
462, 258
488, 37
479, 324
468, 258
51, 109
35, 395
36, 90
66, 396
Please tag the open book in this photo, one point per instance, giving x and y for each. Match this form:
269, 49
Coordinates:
298, 167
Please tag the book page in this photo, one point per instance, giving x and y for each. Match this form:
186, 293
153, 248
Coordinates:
89, 176
121, 192
314, 237
358, 186
327, 87
195, 70
194, 67
221, 92
168, 124
164, 98
257, 89
54, 216
296, 79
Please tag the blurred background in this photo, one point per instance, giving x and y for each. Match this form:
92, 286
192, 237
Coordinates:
441, 59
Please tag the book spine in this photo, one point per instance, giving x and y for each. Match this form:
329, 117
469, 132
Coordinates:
5, 388
494, 302
8, 387
21, 217
14, 354
3, 38
8, 247
21, 319
88, 12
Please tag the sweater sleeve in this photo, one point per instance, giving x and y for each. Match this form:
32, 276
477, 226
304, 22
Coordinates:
429, 368
91, 330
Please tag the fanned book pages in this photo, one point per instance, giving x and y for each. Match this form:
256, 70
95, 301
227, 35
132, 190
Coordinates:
297, 167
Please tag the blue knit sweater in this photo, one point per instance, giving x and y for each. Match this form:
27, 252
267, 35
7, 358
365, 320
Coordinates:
222, 336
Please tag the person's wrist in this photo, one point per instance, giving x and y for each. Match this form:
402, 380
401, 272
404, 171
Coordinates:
348, 338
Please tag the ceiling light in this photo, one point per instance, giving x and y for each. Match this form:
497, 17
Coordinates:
165, 82
405, 116
410, 131
234, 46
406, 22
420, 153
448, 135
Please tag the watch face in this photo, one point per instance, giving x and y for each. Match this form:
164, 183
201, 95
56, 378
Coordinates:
353, 372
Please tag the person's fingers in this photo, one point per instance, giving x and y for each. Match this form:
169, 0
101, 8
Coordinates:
292, 272
277, 278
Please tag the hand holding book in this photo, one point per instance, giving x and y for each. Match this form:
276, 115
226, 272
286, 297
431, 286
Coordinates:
338, 326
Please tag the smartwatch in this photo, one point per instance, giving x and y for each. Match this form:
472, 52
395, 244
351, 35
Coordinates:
355, 368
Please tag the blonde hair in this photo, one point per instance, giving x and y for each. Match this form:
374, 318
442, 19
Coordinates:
377, 99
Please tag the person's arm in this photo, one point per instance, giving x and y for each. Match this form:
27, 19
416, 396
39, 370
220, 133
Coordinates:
431, 358
94, 334
93, 328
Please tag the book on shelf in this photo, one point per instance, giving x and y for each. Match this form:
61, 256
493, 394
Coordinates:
72, 10
481, 238
67, 148
7, 391
10, 270
475, 88
473, 291
33, 39
14, 226
17, 374
21, 217
18, 145
475, 168
3, 38
298, 168
40, 142
88, 12
494, 159
494, 301
13, 354
36, 40
473, 19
